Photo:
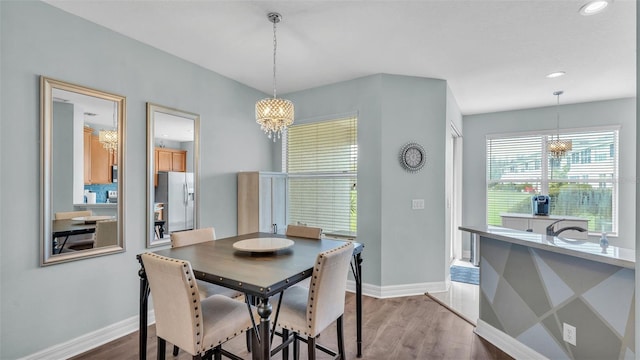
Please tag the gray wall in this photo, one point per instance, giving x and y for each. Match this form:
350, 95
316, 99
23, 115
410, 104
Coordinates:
62, 172
392, 110
620, 112
45, 306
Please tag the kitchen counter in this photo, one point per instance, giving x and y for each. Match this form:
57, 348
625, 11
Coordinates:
97, 205
584, 249
531, 285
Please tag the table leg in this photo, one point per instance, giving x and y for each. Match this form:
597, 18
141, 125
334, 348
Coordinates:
264, 310
144, 302
357, 274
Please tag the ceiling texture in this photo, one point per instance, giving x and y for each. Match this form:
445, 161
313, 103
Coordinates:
493, 54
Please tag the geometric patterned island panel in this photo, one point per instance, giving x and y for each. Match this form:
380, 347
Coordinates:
529, 293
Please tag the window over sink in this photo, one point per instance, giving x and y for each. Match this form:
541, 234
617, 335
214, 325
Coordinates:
583, 183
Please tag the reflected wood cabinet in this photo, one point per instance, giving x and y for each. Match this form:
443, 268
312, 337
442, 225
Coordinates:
97, 160
262, 202
169, 160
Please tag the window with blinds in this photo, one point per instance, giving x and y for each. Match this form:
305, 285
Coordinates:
582, 183
321, 160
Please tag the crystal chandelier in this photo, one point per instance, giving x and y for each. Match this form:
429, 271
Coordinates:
558, 148
109, 138
273, 114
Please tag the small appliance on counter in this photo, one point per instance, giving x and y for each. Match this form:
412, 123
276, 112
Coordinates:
112, 196
540, 204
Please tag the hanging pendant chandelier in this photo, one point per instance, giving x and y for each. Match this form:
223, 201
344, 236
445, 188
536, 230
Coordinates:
558, 148
273, 114
109, 138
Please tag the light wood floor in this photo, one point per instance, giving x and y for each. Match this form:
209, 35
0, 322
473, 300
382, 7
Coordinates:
414, 327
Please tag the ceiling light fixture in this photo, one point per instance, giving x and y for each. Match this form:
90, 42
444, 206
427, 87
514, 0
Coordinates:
109, 138
593, 7
273, 114
558, 148
556, 74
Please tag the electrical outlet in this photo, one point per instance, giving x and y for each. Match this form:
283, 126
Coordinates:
417, 204
569, 333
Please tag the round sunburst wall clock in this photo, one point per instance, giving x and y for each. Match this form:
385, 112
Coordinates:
413, 157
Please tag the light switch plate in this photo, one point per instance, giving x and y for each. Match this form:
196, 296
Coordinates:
417, 204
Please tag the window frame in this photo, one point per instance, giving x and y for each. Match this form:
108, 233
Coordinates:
545, 180
314, 175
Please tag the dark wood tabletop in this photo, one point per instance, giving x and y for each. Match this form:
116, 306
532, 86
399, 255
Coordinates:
258, 274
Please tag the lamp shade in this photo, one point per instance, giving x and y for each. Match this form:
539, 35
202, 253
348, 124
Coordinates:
274, 115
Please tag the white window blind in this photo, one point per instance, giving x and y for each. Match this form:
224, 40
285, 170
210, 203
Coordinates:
321, 160
582, 183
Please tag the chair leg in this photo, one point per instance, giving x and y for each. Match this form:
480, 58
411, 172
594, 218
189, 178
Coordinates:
296, 347
311, 348
162, 348
248, 336
340, 338
217, 353
176, 350
285, 350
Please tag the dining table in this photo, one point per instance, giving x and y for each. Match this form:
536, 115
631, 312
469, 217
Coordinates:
68, 227
258, 274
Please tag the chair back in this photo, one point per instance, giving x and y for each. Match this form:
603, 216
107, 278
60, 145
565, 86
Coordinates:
176, 302
304, 231
71, 214
328, 286
190, 237
106, 233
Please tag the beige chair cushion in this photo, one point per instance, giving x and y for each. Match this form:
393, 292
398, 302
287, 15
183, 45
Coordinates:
181, 318
304, 231
190, 237
310, 311
106, 233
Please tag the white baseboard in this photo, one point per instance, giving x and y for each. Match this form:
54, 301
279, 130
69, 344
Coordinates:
91, 340
392, 291
506, 343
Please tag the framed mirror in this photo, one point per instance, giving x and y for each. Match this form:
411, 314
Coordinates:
173, 154
82, 163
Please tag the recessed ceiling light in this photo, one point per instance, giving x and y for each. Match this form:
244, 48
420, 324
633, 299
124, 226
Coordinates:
593, 7
556, 74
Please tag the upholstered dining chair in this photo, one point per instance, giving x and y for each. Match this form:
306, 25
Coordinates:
307, 232
304, 231
205, 289
198, 326
76, 241
308, 311
191, 237
106, 233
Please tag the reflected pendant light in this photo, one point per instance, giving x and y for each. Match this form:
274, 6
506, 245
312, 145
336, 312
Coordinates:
109, 138
273, 114
558, 148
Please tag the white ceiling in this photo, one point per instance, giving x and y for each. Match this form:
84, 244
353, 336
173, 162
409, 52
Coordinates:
494, 54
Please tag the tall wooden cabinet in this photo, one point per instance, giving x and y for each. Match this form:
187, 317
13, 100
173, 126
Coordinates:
262, 202
97, 160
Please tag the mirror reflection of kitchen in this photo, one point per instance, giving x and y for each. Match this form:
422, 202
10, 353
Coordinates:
174, 187
84, 173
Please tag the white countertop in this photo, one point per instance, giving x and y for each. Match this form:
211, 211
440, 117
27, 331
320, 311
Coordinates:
97, 205
544, 217
579, 248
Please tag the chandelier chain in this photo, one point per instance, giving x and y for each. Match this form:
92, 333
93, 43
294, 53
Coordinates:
275, 45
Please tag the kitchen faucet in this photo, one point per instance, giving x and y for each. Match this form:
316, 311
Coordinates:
552, 232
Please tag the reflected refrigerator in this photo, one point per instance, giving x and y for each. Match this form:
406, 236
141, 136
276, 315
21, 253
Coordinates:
176, 191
